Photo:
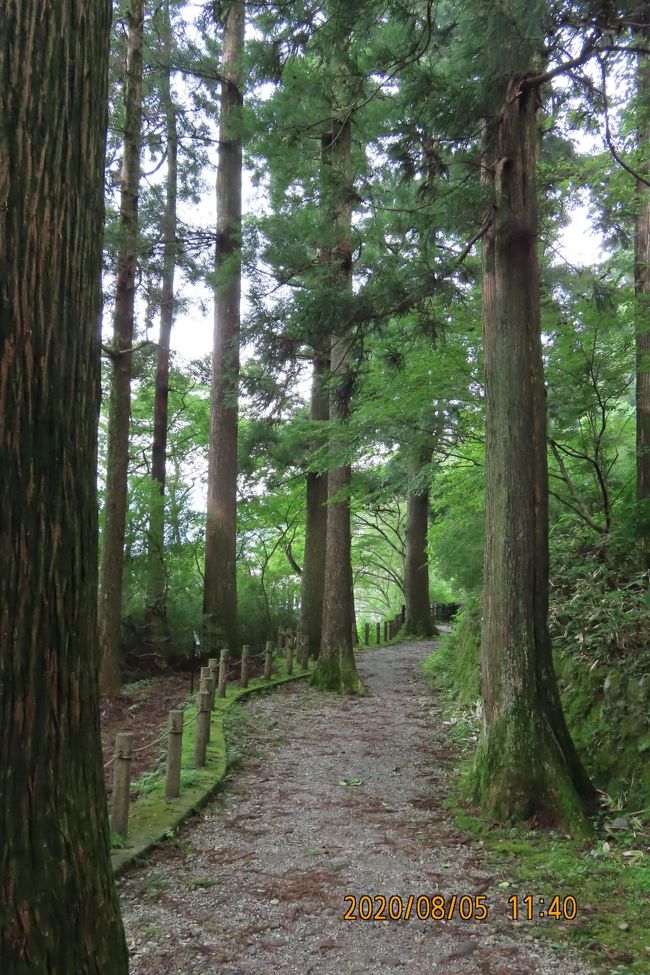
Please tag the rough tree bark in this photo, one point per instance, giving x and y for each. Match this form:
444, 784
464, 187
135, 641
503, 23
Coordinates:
58, 907
117, 461
336, 669
416, 563
313, 572
527, 764
220, 582
642, 270
156, 582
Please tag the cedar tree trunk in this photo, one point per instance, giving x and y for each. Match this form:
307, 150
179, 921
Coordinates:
117, 462
642, 273
527, 764
220, 582
58, 907
336, 669
157, 583
416, 563
313, 572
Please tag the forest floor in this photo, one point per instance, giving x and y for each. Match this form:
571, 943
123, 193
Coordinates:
142, 709
332, 797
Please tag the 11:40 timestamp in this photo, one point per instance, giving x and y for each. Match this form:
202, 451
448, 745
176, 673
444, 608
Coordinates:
529, 908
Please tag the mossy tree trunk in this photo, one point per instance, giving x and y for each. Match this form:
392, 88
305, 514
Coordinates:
527, 765
336, 669
313, 572
416, 563
157, 583
220, 581
642, 268
58, 906
117, 451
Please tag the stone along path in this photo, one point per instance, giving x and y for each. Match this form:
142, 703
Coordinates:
334, 798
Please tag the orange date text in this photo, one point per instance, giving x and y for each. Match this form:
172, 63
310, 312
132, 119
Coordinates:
421, 907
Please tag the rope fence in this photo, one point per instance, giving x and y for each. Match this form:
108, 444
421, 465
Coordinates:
213, 682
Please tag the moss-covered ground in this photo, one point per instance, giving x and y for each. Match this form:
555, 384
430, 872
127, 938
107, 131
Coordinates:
609, 874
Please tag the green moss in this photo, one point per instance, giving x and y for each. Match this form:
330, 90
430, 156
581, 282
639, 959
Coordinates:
608, 891
518, 773
337, 673
609, 723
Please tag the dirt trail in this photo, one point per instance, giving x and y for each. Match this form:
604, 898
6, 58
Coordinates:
334, 797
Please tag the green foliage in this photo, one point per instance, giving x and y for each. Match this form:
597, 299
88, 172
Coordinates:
149, 780
458, 529
599, 625
455, 664
599, 616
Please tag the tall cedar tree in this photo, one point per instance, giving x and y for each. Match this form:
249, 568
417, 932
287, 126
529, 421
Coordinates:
58, 909
313, 573
220, 581
156, 588
336, 669
527, 764
117, 461
642, 265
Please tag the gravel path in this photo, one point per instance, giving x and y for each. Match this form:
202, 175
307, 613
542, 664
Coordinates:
334, 797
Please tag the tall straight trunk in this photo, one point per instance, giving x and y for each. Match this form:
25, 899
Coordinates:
642, 272
156, 583
416, 562
355, 629
336, 669
220, 581
313, 573
58, 907
527, 764
117, 462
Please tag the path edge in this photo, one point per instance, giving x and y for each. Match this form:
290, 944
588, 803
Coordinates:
176, 811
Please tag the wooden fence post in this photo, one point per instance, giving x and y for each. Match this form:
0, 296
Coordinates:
290, 643
366, 634
386, 637
268, 660
245, 666
303, 654
378, 626
223, 672
205, 687
174, 751
206, 675
202, 729
213, 664
122, 782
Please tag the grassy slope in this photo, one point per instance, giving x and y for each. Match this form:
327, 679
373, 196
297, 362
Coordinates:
609, 876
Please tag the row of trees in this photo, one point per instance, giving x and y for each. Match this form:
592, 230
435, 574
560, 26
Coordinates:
362, 236
390, 143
